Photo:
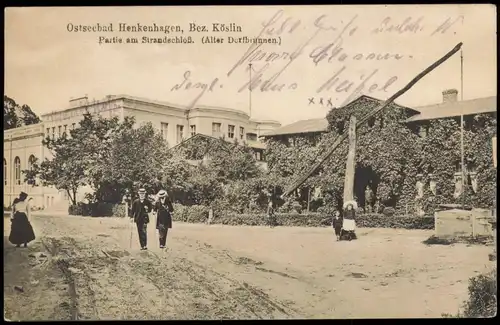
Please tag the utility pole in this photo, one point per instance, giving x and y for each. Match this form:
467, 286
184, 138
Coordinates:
250, 90
462, 126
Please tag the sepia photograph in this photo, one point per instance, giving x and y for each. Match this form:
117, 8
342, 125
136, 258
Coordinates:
250, 162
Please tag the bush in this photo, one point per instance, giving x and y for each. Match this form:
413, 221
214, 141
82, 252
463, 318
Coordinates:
389, 212
199, 214
282, 219
370, 220
482, 296
193, 213
98, 209
296, 207
119, 211
75, 210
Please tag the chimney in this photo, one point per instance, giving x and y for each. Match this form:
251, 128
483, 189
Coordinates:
450, 96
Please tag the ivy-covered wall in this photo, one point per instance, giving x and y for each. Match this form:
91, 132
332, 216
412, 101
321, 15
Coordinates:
391, 156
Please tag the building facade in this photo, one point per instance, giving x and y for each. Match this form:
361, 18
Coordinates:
176, 123
438, 164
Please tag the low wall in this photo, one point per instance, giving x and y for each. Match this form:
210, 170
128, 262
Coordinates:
463, 223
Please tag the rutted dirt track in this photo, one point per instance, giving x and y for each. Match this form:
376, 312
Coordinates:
84, 268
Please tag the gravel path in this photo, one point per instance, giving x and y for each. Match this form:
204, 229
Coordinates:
85, 268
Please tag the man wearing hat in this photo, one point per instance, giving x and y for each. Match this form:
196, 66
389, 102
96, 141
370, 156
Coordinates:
164, 209
140, 212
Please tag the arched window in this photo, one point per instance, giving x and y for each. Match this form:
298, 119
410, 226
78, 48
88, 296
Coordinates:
17, 171
31, 162
4, 172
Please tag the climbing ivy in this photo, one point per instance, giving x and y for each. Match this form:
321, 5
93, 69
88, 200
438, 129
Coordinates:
389, 156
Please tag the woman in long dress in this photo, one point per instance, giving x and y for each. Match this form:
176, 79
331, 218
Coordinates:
349, 223
21, 231
164, 209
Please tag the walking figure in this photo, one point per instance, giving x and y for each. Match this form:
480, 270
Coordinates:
140, 212
21, 231
164, 209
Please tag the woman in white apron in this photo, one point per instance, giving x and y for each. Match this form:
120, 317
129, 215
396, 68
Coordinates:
349, 223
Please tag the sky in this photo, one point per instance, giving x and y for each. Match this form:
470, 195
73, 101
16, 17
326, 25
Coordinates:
47, 62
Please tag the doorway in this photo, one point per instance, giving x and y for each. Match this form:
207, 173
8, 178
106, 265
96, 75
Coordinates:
365, 176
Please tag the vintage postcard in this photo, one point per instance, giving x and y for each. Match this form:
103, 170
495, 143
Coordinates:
250, 162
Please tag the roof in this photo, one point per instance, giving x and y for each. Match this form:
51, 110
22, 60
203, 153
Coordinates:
196, 136
304, 126
452, 109
320, 125
251, 144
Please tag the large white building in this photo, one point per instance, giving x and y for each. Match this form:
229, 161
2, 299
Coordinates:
22, 145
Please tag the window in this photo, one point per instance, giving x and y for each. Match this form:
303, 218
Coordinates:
242, 132
65, 129
59, 131
258, 156
180, 133
73, 126
48, 132
4, 172
216, 129
31, 162
164, 130
230, 131
53, 132
17, 170
192, 130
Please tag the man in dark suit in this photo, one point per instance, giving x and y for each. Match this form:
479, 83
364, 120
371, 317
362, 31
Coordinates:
140, 212
164, 209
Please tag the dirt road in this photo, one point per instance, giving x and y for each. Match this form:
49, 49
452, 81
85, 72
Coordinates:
84, 268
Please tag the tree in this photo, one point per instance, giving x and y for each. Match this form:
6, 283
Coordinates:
16, 116
66, 171
10, 119
236, 163
106, 154
28, 116
137, 155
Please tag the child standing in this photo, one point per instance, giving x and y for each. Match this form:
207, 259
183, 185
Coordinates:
337, 224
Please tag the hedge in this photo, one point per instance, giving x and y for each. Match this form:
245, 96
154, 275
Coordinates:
192, 214
100, 209
199, 214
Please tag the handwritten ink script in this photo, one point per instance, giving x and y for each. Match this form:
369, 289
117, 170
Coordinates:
320, 101
264, 67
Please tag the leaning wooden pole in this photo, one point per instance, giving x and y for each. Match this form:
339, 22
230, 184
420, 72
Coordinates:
350, 167
377, 110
